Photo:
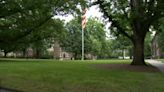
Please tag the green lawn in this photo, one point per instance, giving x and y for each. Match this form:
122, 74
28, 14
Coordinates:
75, 76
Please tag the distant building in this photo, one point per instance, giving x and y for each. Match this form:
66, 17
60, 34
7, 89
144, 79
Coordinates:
29, 53
56, 51
1, 53
60, 54
156, 51
90, 56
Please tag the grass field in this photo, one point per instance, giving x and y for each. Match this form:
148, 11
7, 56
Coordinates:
75, 76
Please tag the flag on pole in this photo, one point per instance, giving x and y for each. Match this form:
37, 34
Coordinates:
84, 19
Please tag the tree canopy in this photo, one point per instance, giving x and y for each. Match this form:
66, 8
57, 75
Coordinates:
26, 21
18, 18
132, 18
94, 37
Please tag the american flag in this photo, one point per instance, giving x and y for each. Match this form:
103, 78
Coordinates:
84, 19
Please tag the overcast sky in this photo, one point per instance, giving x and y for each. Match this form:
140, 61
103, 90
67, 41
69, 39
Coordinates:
92, 12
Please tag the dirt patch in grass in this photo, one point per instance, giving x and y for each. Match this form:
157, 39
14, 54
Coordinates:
128, 67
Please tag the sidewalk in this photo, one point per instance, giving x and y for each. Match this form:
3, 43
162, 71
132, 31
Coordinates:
157, 64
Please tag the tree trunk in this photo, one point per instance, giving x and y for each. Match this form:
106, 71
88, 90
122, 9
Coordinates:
5, 54
131, 53
138, 49
24, 53
140, 29
75, 56
123, 56
37, 54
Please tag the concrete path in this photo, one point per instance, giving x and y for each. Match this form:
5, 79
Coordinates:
157, 64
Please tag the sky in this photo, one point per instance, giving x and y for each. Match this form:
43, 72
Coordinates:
92, 12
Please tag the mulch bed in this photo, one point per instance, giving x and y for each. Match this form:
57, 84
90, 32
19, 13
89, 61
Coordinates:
129, 67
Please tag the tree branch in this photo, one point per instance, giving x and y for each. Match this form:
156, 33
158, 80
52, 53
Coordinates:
126, 14
15, 11
114, 22
29, 31
33, 29
155, 13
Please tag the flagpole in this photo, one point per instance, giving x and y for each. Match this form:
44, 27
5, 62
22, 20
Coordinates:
82, 52
82, 32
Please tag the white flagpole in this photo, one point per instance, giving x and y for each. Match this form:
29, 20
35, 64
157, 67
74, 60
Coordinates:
82, 53
82, 32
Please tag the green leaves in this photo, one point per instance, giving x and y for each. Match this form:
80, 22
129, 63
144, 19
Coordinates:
25, 16
94, 36
160, 34
26, 21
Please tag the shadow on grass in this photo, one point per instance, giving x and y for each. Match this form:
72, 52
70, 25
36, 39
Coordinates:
2, 89
23, 60
129, 67
8, 60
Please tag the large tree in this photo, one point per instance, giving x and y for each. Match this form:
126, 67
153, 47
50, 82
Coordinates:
132, 18
44, 38
23, 20
19, 18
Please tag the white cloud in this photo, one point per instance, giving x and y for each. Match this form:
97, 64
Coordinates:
65, 18
92, 12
